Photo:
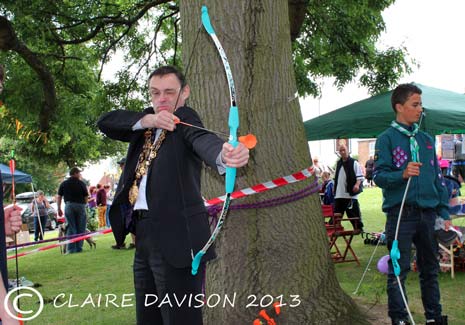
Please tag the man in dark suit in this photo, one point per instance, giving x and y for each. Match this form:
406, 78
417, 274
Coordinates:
159, 197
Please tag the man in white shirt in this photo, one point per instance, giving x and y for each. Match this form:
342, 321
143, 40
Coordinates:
159, 196
347, 186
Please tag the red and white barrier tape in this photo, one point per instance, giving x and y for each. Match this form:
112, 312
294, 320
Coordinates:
262, 187
73, 240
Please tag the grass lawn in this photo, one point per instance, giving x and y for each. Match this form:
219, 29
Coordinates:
81, 288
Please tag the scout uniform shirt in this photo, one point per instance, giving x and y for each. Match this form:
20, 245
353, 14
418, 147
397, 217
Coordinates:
392, 154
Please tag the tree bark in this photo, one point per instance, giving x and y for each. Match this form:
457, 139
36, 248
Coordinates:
280, 251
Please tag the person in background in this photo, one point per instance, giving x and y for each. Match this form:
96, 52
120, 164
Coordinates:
326, 191
456, 206
122, 245
101, 205
109, 192
39, 209
92, 202
369, 165
75, 194
316, 166
458, 165
425, 200
320, 167
347, 186
445, 166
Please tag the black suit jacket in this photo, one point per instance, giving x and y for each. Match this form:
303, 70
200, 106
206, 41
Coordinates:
173, 186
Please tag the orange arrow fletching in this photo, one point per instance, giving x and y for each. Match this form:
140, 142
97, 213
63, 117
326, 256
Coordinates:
249, 140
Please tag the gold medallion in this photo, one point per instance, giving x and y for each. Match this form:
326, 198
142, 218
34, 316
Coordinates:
133, 193
148, 154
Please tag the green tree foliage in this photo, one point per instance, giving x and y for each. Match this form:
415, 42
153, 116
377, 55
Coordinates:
45, 177
55, 51
338, 38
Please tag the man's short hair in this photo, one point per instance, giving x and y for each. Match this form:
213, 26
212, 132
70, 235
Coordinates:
402, 93
122, 161
167, 69
73, 171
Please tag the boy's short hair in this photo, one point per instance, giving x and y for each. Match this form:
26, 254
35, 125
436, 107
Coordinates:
401, 94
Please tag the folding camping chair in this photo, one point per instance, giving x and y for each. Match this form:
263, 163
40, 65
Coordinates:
340, 239
449, 250
449, 242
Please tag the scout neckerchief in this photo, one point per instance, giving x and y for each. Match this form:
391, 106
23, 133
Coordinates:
414, 147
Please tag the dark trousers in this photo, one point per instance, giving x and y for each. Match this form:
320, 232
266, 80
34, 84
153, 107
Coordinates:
160, 287
352, 209
38, 227
417, 227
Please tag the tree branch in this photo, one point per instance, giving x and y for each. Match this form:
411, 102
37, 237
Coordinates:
297, 12
112, 21
9, 41
176, 32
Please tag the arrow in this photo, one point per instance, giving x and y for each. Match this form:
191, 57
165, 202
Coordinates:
248, 140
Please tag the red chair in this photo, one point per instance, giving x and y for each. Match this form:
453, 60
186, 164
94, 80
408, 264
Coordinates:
337, 235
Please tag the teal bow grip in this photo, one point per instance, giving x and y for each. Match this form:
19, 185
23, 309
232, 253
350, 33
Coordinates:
395, 255
233, 124
230, 179
196, 262
206, 21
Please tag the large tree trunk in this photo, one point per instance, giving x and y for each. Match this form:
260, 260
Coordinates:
278, 251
